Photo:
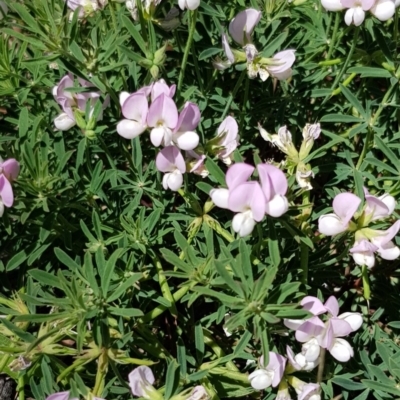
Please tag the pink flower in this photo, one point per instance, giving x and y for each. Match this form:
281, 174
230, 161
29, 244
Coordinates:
141, 381
170, 161
227, 139
269, 375
163, 118
344, 206
9, 170
282, 70
242, 26
183, 135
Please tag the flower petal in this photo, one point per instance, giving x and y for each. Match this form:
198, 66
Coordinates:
277, 206
383, 9
169, 159
355, 320
273, 181
162, 111
331, 225
139, 378
245, 196
227, 49
341, 350
345, 205
332, 306
63, 122
313, 304
220, 197
333, 5
10, 169
242, 26
130, 129
136, 107
188, 118
187, 140
237, 174
6, 191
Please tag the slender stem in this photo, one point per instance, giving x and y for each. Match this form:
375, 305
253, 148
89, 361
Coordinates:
321, 365
21, 387
245, 98
102, 364
366, 284
334, 33
304, 262
346, 63
232, 96
210, 341
370, 132
192, 21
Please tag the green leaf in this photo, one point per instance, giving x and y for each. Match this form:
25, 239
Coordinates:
134, 33
273, 244
393, 389
16, 260
172, 379
215, 171
199, 342
66, 259
387, 152
125, 312
109, 269
122, 288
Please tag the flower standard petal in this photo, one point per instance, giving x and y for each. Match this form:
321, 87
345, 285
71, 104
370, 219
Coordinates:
345, 205
376, 208
10, 168
332, 306
136, 107
242, 26
309, 329
163, 111
340, 327
188, 118
237, 174
140, 378
228, 129
6, 191
313, 304
58, 396
273, 181
248, 196
277, 365
286, 59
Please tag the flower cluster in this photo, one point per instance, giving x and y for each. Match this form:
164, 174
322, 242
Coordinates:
367, 241
9, 170
241, 29
74, 105
314, 333
295, 159
86, 7
249, 199
355, 14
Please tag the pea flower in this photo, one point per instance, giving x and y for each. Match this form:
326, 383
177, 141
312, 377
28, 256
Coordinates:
241, 29
170, 161
195, 163
86, 7
74, 104
355, 14
141, 381
250, 199
313, 332
269, 375
9, 170
147, 5
227, 139
344, 206
305, 391
188, 4
300, 361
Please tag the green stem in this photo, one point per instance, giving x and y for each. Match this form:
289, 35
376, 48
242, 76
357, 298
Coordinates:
321, 365
304, 262
372, 124
334, 33
192, 21
21, 387
346, 63
366, 284
245, 98
232, 96
102, 364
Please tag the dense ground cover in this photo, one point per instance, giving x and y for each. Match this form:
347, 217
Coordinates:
199, 199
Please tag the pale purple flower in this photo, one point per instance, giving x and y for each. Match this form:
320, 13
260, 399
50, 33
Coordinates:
135, 109
86, 7
284, 61
328, 335
383, 240
269, 375
274, 186
378, 207
344, 206
188, 4
198, 393
170, 161
160, 87
227, 139
141, 381
242, 26
70, 101
196, 163
9, 170
163, 118
309, 391
227, 49
183, 135
363, 253
300, 361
